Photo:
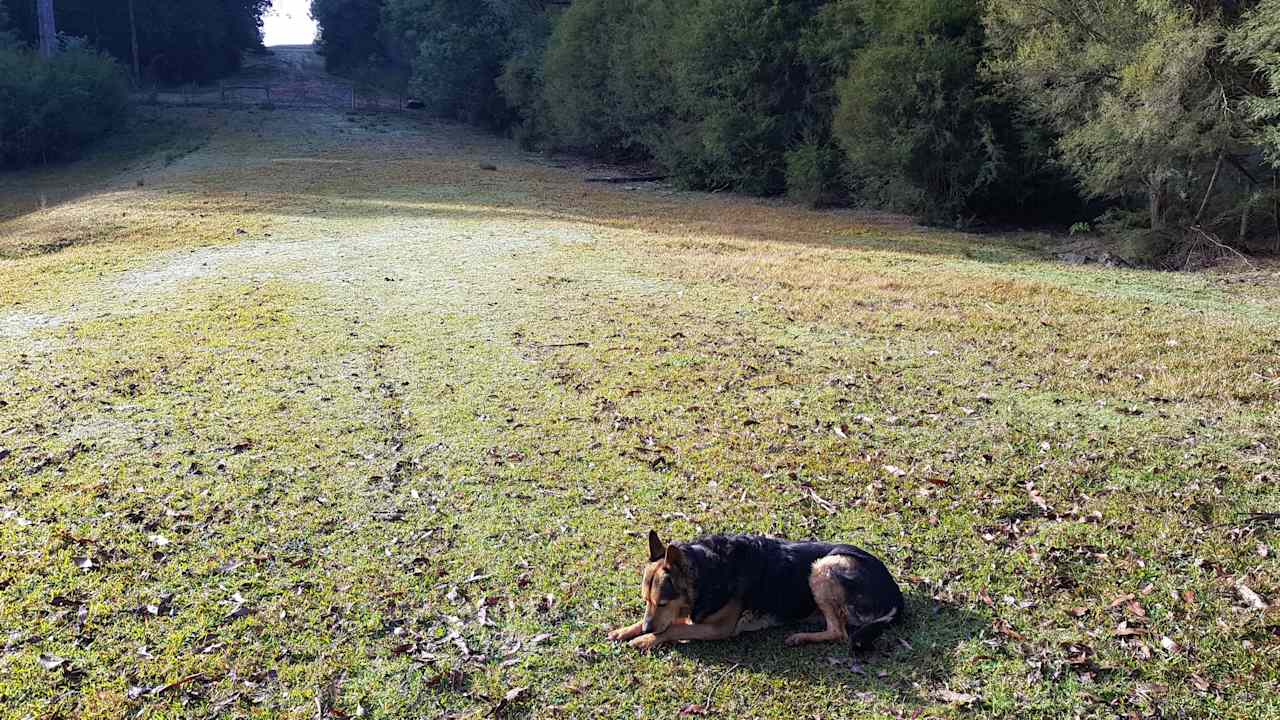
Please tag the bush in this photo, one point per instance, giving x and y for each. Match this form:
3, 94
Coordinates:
8, 38
349, 32
606, 80
456, 49
50, 110
816, 174
741, 89
715, 90
911, 117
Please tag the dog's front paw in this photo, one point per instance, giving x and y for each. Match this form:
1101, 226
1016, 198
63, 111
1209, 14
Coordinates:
646, 642
623, 634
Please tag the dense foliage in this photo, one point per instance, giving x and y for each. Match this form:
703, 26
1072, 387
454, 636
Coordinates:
350, 33
7, 37
1257, 44
51, 109
193, 40
1165, 112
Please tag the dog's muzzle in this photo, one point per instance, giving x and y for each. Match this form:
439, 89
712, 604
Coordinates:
648, 625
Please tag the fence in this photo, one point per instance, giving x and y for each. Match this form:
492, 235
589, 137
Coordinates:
308, 94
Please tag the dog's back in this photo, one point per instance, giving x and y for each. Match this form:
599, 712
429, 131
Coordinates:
775, 578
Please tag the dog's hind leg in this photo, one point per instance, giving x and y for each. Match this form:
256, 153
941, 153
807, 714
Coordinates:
829, 595
863, 631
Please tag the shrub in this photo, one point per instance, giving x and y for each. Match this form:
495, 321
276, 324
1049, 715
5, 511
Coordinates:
816, 174
456, 49
715, 90
606, 77
8, 38
740, 93
911, 116
349, 32
50, 110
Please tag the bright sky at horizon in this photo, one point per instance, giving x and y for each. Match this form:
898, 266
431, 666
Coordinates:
289, 23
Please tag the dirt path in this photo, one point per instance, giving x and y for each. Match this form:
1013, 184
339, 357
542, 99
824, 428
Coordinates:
296, 79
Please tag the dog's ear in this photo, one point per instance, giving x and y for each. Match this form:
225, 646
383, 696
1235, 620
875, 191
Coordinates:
657, 550
675, 557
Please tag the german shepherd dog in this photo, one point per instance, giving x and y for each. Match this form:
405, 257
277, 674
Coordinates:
719, 586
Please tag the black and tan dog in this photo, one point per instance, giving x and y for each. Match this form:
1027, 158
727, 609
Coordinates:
717, 587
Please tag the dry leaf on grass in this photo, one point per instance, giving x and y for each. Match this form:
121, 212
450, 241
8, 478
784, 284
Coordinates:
956, 698
1251, 598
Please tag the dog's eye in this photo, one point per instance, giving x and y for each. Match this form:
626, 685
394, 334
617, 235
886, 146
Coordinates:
664, 604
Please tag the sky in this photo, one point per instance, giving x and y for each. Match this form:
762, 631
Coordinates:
289, 23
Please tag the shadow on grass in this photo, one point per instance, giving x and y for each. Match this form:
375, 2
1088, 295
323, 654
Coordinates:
143, 136
921, 649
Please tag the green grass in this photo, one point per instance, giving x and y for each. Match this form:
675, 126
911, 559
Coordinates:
343, 460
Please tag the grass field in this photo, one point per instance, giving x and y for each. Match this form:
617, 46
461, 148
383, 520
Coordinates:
309, 415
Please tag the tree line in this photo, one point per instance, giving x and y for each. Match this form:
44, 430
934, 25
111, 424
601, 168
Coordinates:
1156, 120
51, 108
177, 42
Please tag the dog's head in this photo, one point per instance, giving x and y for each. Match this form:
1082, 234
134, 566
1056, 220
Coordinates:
668, 586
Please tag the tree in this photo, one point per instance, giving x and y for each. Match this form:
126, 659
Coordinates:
1140, 92
47, 28
456, 49
919, 127
133, 42
7, 37
350, 32
194, 40
1257, 42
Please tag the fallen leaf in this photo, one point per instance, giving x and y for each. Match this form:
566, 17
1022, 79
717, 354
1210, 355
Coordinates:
895, 471
240, 611
161, 689
51, 662
1251, 598
1123, 630
693, 709
1121, 601
512, 697
956, 698
1170, 646
158, 540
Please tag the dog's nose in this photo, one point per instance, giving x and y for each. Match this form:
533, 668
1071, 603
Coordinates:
647, 626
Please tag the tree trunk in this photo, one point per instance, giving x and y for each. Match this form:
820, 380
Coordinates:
133, 37
1156, 189
48, 30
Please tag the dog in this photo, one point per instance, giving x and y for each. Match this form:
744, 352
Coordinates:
720, 586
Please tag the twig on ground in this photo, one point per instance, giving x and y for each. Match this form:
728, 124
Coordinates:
161, 689
625, 180
1223, 246
581, 344
716, 685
